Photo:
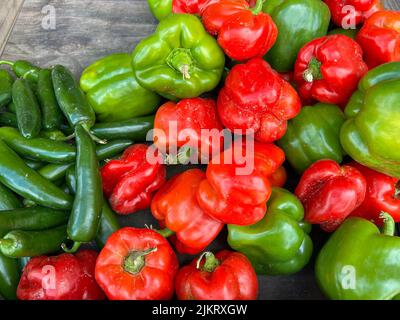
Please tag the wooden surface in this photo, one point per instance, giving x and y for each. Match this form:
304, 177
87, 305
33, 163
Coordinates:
89, 29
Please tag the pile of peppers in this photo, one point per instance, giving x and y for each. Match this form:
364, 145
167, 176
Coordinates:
304, 111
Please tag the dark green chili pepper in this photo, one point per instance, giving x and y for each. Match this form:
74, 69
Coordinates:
108, 225
6, 82
8, 200
70, 179
27, 109
26, 182
135, 129
56, 135
23, 69
11, 107
72, 100
55, 172
19, 243
40, 149
52, 116
35, 165
8, 119
86, 211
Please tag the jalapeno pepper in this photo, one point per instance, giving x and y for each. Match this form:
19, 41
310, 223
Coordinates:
52, 116
23, 69
20, 243
8, 119
6, 82
26, 182
8, 200
86, 211
27, 109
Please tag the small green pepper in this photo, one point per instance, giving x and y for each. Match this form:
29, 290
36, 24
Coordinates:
180, 60
160, 8
6, 82
27, 109
23, 69
8, 200
113, 91
279, 244
313, 135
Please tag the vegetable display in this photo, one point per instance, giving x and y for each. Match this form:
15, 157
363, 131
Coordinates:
264, 131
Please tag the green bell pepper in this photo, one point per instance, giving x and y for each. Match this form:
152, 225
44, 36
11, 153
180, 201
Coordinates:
359, 262
180, 60
370, 134
298, 22
113, 92
313, 135
279, 244
160, 8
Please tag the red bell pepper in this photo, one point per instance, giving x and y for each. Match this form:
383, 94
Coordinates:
243, 32
361, 10
328, 69
225, 276
137, 264
131, 181
63, 277
256, 98
175, 206
236, 190
330, 193
278, 178
192, 118
382, 196
380, 38
190, 6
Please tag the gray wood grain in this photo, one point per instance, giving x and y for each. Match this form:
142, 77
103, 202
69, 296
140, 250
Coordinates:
8, 15
392, 4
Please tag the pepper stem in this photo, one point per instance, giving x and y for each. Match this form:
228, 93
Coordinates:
258, 7
92, 136
135, 261
210, 264
73, 249
166, 233
388, 224
181, 60
10, 63
313, 72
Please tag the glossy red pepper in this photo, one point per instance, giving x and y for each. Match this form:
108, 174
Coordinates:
278, 178
175, 206
225, 276
330, 193
236, 189
185, 123
190, 6
328, 69
131, 181
360, 10
137, 264
256, 98
243, 32
380, 38
382, 196
63, 277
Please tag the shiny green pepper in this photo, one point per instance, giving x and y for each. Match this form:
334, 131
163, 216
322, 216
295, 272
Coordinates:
279, 244
180, 60
359, 262
313, 135
6, 82
298, 22
370, 134
160, 8
113, 92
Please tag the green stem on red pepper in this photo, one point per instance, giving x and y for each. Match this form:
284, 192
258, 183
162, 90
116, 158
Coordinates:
313, 72
210, 264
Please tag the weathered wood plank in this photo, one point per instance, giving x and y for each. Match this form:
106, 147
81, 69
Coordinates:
392, 4
9, 11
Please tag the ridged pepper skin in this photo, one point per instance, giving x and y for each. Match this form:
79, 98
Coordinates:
359, 262
180, 60
73, 278
328, 69
160, 8
361, 10
368, 136
131, 181
279, 244
330, 193
237, 187
175, 206
380, 38
313, 135
256, 98
242, 32
192, 117
298, 22
113, 91
137, 264
381, 196
226, 276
